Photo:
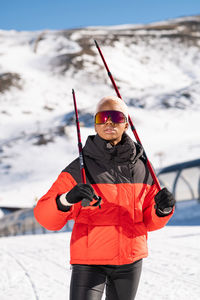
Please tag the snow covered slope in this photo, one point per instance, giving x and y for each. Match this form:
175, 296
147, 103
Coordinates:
37, 267
156, 68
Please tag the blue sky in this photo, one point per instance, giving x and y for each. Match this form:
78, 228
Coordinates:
64, 14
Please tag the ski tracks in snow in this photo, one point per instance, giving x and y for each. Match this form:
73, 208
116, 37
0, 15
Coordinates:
25, 276
172, 272
37, 267
34, 268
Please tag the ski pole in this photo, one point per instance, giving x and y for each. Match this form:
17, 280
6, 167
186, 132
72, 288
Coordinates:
84, 202
155, 179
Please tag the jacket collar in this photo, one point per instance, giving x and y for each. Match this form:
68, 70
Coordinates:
99, 149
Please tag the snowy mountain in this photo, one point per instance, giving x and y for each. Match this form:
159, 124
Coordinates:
156, 68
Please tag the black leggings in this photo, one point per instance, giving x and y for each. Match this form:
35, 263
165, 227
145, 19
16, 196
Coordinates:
88, 281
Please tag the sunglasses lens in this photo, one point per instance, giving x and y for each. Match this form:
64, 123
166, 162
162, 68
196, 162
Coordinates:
101, 117
116, 116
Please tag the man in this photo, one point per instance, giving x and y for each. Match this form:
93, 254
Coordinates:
107, 244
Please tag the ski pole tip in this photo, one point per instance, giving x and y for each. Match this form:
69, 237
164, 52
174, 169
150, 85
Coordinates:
72, 91
96, 43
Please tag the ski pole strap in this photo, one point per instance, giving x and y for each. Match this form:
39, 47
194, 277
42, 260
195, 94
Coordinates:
86, 202
98, 203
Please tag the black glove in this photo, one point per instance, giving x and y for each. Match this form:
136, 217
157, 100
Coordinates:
79, 192
164, 202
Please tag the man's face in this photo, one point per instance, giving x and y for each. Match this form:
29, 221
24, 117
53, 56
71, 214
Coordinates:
110, 131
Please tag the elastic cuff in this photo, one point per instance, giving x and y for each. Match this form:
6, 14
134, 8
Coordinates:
63, 207
164, 213
64, 201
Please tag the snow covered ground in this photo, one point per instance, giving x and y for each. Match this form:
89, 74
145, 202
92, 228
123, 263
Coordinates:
37, 267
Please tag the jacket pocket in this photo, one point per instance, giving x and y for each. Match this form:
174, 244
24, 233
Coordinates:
139, 198
102, 242
139, 242
79, 241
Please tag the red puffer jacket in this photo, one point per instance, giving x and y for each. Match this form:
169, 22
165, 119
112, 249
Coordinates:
117, 233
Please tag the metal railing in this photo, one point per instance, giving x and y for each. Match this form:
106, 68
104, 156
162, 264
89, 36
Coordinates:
23, 222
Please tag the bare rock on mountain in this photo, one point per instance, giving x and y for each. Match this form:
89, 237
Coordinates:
8, 80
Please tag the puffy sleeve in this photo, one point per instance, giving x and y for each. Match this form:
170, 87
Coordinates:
151, 220
46, 211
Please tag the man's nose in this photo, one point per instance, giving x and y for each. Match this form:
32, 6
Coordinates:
109, 120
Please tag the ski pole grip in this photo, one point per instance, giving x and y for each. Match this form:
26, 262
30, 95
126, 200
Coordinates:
85, 202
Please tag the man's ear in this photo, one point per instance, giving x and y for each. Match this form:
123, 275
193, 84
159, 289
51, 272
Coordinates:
126, 126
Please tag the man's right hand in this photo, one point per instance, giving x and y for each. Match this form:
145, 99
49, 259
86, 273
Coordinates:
79, 192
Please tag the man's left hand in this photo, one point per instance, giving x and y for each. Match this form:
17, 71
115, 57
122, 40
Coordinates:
164, 202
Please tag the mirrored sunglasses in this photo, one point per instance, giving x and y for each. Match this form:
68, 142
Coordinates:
116, 116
